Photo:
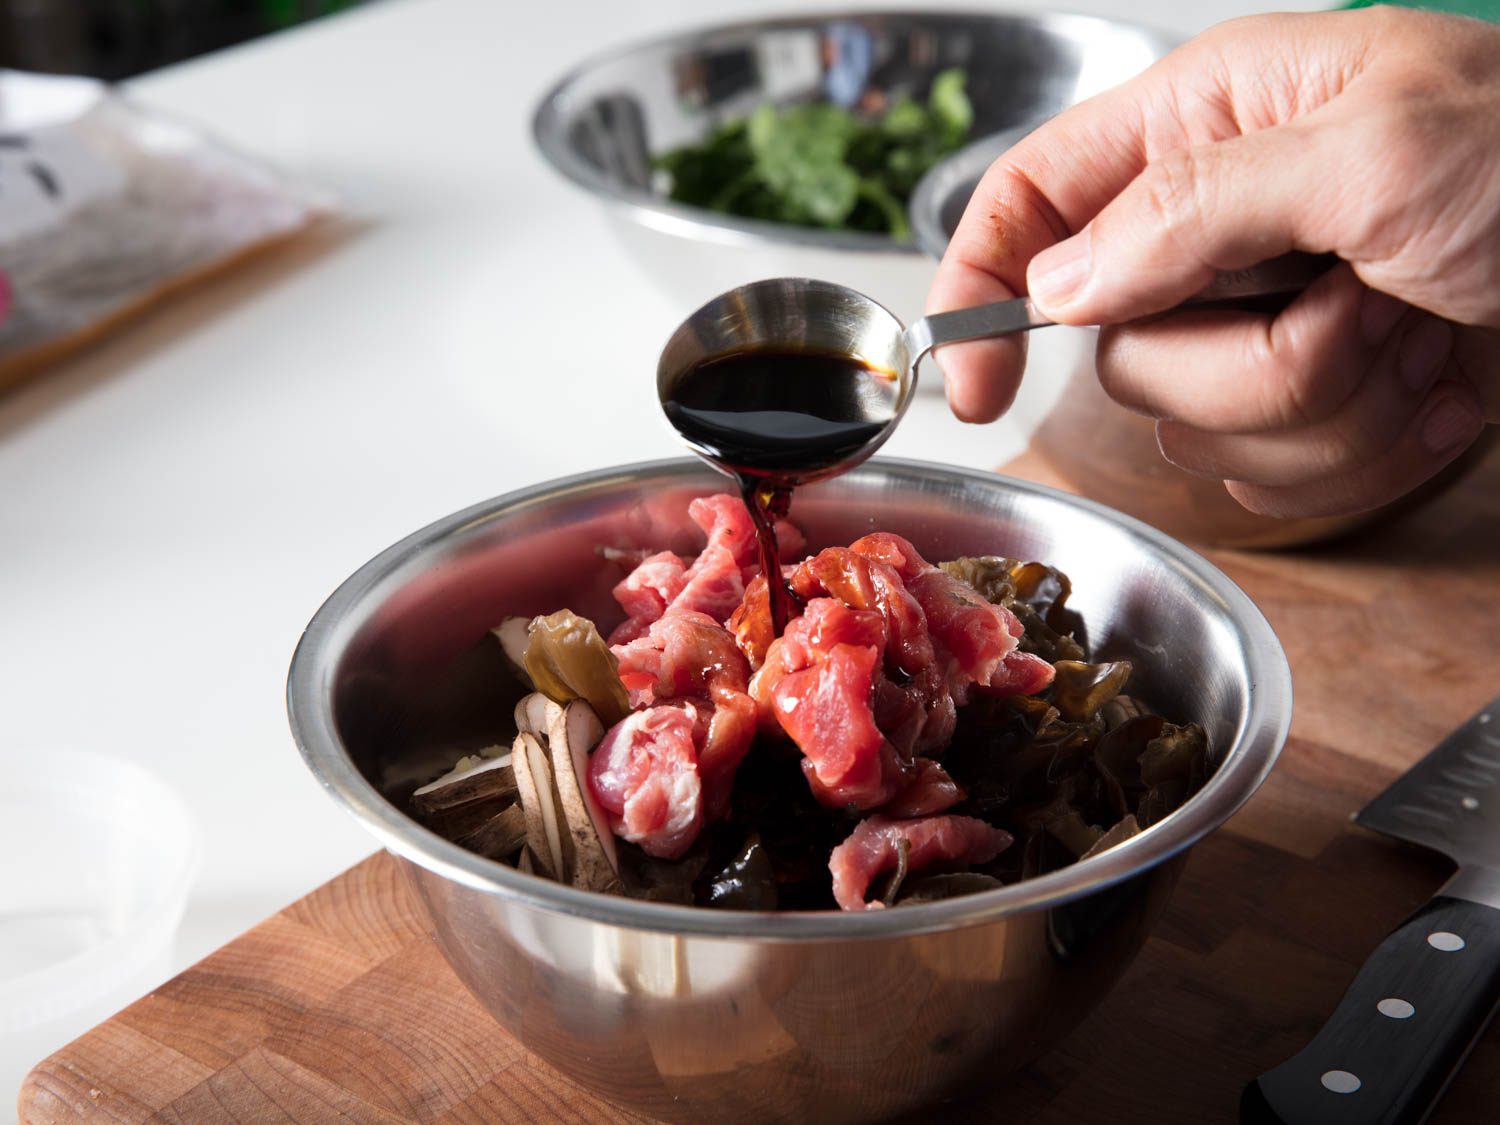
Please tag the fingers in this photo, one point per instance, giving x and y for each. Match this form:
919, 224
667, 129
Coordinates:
1194, 211
1025, 201
1366, 428
1448, 424
1010, 217
981, 378
1266, 137
1062, 175
1341, 403
1232, 372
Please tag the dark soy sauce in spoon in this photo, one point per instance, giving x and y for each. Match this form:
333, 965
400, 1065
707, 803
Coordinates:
776, 418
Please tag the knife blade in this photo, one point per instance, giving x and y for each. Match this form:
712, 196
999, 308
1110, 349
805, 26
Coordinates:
1424, 996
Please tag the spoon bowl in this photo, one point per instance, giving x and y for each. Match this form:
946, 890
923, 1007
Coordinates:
798, 315
795, 315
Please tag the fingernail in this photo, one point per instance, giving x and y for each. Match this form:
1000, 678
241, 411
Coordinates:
1057, 274
1423, 353
1448, 424
1378, 313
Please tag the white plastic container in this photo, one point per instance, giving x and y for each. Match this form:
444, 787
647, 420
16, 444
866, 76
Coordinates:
96, 860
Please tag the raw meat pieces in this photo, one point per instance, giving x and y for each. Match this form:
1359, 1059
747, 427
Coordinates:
873, 847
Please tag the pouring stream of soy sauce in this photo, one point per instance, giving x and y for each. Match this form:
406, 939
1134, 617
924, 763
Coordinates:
776, 418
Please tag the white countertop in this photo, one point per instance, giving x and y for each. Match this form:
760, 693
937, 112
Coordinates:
175, 504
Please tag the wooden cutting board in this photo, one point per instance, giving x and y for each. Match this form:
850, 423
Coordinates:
341, 1007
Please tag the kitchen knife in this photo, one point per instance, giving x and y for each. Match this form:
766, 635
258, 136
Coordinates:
1425, 994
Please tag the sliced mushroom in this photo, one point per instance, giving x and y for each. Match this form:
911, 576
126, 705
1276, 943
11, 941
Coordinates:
574, 732
531, 805
472, 779
539, 803
513, 633
535, 714
459, 821
500, 837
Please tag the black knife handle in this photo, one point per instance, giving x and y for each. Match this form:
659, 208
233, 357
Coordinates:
1400, 1032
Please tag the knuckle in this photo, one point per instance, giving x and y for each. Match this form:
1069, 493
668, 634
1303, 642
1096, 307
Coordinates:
1293, 392
1388, 21
1411, 130
1358, 442
1175, 201
1281, 402
1347, 447
1404, 163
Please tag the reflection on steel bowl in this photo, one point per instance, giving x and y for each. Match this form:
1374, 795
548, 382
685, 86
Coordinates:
689, 1014
602, 124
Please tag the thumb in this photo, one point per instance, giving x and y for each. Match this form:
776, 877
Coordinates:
1187, 215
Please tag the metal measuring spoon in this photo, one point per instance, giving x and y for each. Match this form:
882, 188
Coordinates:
801, 315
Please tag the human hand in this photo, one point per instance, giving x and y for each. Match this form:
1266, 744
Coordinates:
1372, 134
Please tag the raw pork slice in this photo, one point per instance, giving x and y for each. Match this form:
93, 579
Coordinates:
976, 633
808, 639
644, 774
868, 584
930, 791
826, 711
712, 583
727, 523
689, 656
730, 731
645, 593
1021, 673
874, 846
683, 655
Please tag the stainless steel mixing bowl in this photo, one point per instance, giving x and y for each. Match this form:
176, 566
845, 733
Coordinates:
695, 1014
601, 124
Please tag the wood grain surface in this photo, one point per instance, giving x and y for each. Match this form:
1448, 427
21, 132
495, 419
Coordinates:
341, 1007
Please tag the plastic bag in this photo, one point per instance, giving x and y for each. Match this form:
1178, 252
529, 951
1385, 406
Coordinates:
106, 209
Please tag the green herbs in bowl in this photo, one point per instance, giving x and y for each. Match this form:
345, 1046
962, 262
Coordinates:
821, 165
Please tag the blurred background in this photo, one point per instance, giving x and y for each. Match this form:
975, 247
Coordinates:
120, 38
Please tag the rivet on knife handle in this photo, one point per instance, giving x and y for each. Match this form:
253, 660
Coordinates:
1400, 1032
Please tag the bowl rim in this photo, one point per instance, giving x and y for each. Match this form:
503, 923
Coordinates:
1246, 764
938, 183
697, 223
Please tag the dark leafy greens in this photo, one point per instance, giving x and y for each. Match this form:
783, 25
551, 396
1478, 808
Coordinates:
820, 165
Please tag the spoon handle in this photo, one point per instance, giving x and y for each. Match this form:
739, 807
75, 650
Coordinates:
1290, 273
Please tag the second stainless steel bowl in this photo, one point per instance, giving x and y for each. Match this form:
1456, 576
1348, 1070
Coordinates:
601, 124
696, 1014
